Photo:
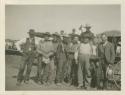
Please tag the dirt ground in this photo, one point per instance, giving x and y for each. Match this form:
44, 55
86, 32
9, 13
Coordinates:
12, 65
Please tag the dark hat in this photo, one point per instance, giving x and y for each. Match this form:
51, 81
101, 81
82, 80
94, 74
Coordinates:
31, 31
46, 34
56, 34
75, 35
85, 35
87, 26
81, 26
73, 29
39, 34
66, 36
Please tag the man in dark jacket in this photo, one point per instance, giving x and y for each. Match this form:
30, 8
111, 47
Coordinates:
107, 53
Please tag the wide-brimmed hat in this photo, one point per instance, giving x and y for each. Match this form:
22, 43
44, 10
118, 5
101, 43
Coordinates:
31, 31
81, 26
87, 26
74, 35
47, 34
85, 35
56, 34
66, 36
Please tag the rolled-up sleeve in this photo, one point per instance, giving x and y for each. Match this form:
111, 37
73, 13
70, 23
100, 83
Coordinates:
19, 43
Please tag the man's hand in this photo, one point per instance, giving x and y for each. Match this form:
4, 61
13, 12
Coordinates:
21, 51
110, 65
46, 56
97, 64
76, 61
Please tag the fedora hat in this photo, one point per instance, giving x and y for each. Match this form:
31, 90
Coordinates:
66, 36
85, 35
87, 26
56, 34
46, 34
31, 31
74, 35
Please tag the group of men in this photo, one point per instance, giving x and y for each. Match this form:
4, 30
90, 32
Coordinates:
77, 60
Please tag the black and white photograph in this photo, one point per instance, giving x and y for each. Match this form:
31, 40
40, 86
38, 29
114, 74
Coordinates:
63, 47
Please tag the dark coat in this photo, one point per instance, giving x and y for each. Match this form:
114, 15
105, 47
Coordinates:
107, 52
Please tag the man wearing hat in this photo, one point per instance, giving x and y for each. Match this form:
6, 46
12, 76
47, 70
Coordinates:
87, 27
107, 54
27, 47
46, 50
72, 61
56, 40
84, 53
61, 60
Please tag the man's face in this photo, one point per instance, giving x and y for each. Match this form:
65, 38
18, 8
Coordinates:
86, 40
62, 32
54, 38
75, 39
31, 35
82, 29
104, 38
46, 37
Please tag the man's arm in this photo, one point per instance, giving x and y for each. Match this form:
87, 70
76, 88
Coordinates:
51, 53
112, 54
19, 43
39, 48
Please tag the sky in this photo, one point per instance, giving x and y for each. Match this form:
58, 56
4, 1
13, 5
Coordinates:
53, 18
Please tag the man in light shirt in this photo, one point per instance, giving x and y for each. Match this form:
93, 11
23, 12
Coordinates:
27, 47
84, 53
46, 50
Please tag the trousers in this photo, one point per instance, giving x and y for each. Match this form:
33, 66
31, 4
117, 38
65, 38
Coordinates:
84, 70
60, 70
49, 72
27, 59
71, 70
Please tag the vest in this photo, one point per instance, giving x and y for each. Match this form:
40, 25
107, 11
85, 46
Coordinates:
29, 46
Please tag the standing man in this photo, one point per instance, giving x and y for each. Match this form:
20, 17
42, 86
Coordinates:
107, 53
84, 53
72, 61
56, 38
27, 47
61, 60
62, 33
46, 50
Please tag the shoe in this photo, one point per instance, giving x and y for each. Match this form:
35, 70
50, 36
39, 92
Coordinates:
58, 84
88, 88
44, 83
39, 83
18, 83
63, 83
69, 84
80, 86
52, 84
26, 82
